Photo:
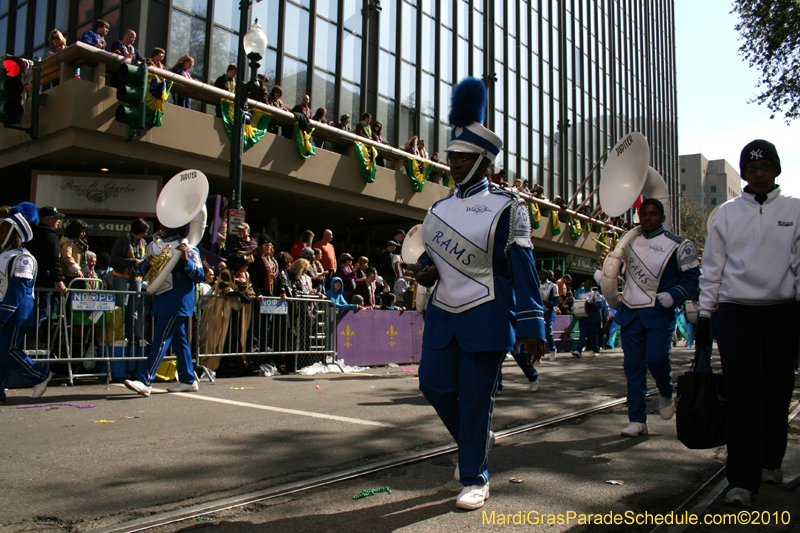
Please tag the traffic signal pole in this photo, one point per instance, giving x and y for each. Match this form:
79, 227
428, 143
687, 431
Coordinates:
133, 97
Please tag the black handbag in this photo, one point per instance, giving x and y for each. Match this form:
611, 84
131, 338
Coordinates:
700, 408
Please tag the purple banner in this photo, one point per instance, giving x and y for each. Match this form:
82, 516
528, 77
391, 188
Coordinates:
370, 337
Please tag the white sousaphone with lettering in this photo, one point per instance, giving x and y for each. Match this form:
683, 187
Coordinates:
182, 201
626, 175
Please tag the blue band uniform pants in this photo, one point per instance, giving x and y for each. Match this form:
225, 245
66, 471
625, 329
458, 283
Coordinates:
170, 331
13, 357
646, 348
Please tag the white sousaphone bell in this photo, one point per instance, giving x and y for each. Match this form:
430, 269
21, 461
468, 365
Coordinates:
182, 201
626, 175
413, 245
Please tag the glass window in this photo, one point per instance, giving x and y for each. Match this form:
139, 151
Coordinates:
463, 19
427, 87
388, 28
713, 201
426, 134
351, 57
446, 55
19, 38
445, 92
109, 4
523, 62
546, 77
499, 15
523, 23
428, 43
523, 142
511, 107
499, 124
499, 51
294, 81
352, 16
429, 7
524, 91
187, 37
267, 13
351, 101
447, 13
328, 9
444, 140
386, 117
323, 92
39, 52
409, 35
61, 16
39, 29
325, 45
499, 88
408, 125
511, 137
112, 17
3, 7
511, 25
408, 85
3, 34
269, 65
195, 7
713, 188
462, 59
511, 62
296, 39
386, 77
477, 63
86, 10
477, 30
226, 13
224, 50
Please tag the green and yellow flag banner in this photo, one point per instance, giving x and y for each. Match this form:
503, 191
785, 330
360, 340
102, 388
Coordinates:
535, 215
157, 93
365, 156
253, 132
574, 228
555, 223
419, 171
305, 148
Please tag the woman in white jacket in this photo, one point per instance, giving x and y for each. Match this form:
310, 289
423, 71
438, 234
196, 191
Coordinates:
751, 280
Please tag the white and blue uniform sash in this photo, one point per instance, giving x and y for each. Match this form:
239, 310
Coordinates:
645, 260
25, 267
463, 257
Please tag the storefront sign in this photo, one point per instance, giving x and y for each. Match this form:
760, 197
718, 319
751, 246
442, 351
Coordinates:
104, 227
86, 193
581, 265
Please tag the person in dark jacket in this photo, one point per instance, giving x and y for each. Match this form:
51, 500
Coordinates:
45, 248
226, 82
128, 252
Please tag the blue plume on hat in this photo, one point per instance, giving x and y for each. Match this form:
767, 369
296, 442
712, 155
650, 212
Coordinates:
28, 210
468, 104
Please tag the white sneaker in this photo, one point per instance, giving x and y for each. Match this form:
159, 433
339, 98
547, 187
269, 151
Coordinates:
473, 497
576, 354
772, 476
535, 385
595, 354
635, 429
457, 473
138, 386
184, 387
552, 356
666, 406
39, 388
740, 497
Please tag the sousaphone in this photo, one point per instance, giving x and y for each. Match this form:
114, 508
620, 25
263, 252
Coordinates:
627, 175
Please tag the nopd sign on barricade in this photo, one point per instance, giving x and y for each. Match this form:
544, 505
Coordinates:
93, 301
274, 306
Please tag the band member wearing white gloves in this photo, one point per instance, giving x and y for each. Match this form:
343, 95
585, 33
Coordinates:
661, 272
478, 243
751, 280
173, 303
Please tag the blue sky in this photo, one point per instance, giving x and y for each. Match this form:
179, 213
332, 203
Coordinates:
715, 85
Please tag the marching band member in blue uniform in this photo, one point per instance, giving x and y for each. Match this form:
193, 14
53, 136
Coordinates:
661, 273
17, 276
589, 325
173, 303
549, 292
478, 246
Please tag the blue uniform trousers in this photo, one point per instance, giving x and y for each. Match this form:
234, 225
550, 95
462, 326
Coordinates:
12, 357
549, 318
521, 357
588, 327
170, 330
646, 348
757, 348
461, 386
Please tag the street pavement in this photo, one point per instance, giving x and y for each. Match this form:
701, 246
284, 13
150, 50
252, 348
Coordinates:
76, 469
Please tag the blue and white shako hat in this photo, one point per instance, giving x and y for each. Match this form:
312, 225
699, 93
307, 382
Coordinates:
467, 112
22, 217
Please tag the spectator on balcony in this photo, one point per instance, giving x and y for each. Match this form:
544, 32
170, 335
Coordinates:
346, 274
125, 47
500, 178
377, 136
423, 153
328, 259
73, 248
274, 99
97, 35
344, 125
319, 116
412, 145
363, 128
226, 82
56, 42
157, 58
181, 68
303, 107
523, 187
259, 92
305, 241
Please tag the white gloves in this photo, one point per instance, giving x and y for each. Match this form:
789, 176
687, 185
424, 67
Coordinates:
665, 299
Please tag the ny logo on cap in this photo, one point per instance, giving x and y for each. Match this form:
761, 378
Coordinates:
756, 154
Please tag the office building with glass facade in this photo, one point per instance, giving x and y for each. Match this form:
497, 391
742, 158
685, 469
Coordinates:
566, 78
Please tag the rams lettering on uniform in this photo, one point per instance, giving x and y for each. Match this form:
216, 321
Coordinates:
454, 250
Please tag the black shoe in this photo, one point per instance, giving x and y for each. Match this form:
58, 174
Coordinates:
576, 354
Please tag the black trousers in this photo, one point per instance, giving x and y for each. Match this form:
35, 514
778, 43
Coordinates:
758, 347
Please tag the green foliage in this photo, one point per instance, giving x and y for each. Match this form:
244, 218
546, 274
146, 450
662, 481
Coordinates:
693, 222
770, 31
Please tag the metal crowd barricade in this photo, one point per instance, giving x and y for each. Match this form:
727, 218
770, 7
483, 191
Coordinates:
301, 330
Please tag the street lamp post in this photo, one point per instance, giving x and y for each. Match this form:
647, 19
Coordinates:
254, 46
